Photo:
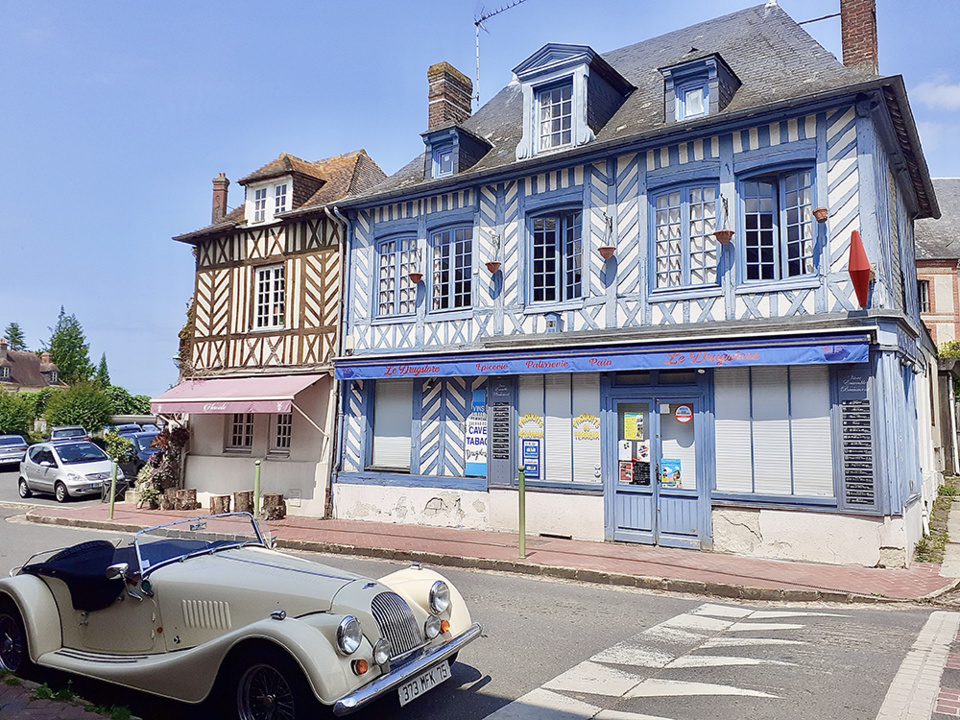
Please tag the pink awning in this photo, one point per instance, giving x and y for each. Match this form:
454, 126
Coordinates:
218, 396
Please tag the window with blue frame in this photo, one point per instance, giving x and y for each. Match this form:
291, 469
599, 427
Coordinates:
779, 233
452, 281
685, 247
557, 257
555, 116
443, 160
396, 292
692, 99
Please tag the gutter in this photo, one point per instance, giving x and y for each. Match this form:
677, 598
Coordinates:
335, 216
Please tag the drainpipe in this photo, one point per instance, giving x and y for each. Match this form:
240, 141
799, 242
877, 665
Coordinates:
336, 216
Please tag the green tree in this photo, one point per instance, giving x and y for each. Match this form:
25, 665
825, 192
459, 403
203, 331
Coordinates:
83, 404
16, 414
69, 350
102, 375
38, 400
14, 337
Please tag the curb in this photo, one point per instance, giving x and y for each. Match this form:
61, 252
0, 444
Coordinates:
519, 567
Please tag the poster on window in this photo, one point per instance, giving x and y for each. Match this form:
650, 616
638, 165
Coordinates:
670, 473
476, 436
633, 426
531, 459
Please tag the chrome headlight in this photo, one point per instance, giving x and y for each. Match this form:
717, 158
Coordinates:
349, 635
73, 477
431, 628
439, 597
382, 651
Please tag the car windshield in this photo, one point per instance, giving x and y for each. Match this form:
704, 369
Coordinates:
80, 453
12, 440
164, 544
143, 442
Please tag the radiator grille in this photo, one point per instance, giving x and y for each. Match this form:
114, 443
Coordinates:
396, 622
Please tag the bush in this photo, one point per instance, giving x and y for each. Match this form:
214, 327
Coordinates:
84, 404
39, 399
16, 415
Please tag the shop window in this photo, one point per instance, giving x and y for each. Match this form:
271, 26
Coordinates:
241, 432
396, 292
452, 280
773, 431
684, 245
557, 257
779, 232
392, 424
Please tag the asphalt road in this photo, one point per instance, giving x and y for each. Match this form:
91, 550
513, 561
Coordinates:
548, 639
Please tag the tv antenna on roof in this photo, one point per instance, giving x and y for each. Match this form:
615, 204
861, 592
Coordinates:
483, 15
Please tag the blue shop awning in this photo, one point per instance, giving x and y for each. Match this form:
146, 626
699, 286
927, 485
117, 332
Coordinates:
676, 356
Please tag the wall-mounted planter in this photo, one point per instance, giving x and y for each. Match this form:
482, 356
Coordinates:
493, 266
821, 214
607, 251
415, 277
723, 236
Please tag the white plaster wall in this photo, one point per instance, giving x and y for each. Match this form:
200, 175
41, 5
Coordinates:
943, 294
575, 515
815, 537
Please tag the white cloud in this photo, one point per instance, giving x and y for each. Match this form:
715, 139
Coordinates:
937, 95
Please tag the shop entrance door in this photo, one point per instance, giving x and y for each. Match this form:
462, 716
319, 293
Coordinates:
655, 497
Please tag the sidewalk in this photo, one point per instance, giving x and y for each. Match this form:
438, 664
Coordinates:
655, 568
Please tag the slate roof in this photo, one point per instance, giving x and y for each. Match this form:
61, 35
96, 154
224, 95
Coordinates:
940, 239
774, 58
340, 175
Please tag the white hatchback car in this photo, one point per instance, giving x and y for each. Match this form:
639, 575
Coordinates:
65, 469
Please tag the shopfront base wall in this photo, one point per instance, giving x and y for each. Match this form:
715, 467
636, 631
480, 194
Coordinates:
220, 475
551, 513
816, 537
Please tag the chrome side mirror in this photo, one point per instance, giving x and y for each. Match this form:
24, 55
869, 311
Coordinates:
118, 571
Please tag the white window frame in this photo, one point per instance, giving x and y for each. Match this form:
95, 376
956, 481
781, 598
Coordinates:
269, 297
240, 432
260, 205
279, 199
545, 140
438, 160
923, 295
4, 373
281, 435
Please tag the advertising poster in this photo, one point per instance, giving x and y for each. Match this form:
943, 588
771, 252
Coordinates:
476, 436
670, 472
643, 451
633, 426
531, 459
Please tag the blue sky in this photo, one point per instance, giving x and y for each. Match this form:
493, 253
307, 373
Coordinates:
115, 116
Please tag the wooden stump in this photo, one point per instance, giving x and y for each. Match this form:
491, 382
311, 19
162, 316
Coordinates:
187, 499
169, 499
274, 508
219, 504
243, 501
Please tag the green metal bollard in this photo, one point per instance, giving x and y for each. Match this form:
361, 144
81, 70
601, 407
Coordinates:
256, 490
113, 486
523, 512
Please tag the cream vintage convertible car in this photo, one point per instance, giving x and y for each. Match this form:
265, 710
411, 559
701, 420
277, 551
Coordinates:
204, 606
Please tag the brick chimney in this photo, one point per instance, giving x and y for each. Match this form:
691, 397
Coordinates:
858, 32
450, 97
3, 348
220, 185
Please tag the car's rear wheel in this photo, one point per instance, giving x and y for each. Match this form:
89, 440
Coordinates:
13, 638
23, 488
60, 492
272, 688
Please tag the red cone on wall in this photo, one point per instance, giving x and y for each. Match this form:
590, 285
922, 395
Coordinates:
860, 269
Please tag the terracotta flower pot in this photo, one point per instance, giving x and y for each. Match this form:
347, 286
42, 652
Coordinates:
723, 236
607, 251
821, 214
415, 277
493, 266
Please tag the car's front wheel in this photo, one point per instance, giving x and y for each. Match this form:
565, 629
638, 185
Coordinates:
13, 638
60, 492
23, 489
273, 688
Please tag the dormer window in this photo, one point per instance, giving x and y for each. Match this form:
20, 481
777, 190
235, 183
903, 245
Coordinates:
555, 106
699, 87
4, 373
266, 201
451, 149
260, 205
53, 377
443, 161
280, 199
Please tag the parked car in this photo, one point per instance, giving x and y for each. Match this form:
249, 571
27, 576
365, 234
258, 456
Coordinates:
140, 452
71, 432
65, 469
275, 635
127, 429
12, 449
151, 427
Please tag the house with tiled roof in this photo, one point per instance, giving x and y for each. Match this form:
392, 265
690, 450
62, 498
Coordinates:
670, 288
23, 371
255, 361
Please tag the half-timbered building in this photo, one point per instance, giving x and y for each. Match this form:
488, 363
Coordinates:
256, 373
673, 284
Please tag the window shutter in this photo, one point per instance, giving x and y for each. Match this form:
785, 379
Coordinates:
734, 446
810, 431
586, 407
392, 422
771, 431
558, 449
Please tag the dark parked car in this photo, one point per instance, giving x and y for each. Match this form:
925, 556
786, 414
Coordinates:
127, 429
141, 450
12, 449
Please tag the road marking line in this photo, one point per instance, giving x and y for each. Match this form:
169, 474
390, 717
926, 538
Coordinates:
654, 687
743, 642
752, 626
720, 611
621, 715
697, 623
913, 692
589, 677
624, 654
771, 614
697, 661
542, 704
